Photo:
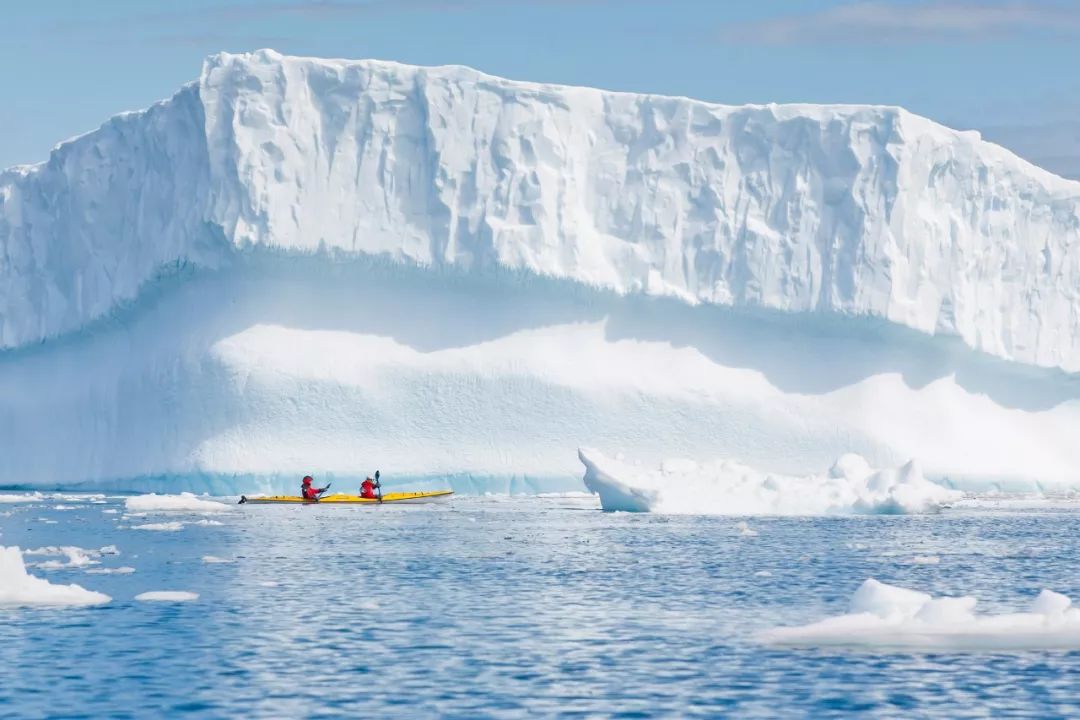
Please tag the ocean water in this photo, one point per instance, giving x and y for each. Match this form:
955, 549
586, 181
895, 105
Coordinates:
520, 607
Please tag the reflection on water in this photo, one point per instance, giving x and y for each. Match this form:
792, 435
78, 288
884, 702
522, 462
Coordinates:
507, 608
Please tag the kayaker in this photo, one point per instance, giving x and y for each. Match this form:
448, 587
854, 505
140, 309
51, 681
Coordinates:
368, 488
307, 491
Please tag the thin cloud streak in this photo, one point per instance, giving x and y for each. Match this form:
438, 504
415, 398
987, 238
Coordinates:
321, 9
877, 21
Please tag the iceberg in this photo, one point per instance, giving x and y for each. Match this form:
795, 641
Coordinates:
886, 617
303, 266
724, 487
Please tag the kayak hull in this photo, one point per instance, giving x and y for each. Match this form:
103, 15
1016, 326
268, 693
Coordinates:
398, 498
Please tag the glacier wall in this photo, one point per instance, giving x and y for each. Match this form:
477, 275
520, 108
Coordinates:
866, 211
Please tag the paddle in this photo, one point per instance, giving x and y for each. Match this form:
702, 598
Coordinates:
378, 486
317, 497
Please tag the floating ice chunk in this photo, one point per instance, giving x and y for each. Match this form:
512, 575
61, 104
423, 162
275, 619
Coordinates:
167, 596
162, 527
882, 616
207, 522
211, 559
22, 497
184, 502
924, 560
62, 497
745, 530
18, 588
886, 600
763, 573
728, 488
76, 558
1049, 602
123, 570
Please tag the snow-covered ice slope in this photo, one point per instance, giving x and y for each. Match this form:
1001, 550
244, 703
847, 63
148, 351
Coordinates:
300, 265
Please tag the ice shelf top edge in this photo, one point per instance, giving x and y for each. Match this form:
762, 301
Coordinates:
854, 210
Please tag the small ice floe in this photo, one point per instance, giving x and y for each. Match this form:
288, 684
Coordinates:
883, 617
268, 584
923, 560
167, 596
725, 487
72, 498
207, 522
763, 573
19, 588
184, 502
160, 527
745, 530
123, 570
110, 511
76, 557
213, 560
21, 497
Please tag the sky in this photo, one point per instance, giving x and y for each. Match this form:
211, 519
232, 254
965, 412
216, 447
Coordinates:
1005, 67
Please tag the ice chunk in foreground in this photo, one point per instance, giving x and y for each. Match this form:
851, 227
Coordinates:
18, 588
882, 616
167, 596
184, 502
724, 487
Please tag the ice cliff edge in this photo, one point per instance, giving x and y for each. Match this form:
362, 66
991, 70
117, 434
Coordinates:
846, 209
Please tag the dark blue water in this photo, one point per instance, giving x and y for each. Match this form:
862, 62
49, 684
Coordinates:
520, 608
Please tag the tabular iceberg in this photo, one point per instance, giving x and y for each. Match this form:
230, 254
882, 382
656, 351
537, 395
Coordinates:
298, 264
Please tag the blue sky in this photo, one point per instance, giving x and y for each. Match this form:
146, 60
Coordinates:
1007, 67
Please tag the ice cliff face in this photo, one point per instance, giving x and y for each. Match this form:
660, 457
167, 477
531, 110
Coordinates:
855, 210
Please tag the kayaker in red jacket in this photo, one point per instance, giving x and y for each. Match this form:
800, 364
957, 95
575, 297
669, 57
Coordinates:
307, 491
368, 488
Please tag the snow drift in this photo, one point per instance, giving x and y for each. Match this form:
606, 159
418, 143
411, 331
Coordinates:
883, 616
725, 487
299, 265
19, 588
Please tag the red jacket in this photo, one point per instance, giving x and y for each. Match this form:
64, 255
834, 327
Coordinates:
310, 493
367, 489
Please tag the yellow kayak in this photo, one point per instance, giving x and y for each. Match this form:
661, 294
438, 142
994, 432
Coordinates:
432, 496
